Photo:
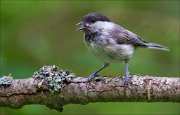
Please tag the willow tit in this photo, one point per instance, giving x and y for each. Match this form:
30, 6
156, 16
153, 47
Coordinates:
110, 42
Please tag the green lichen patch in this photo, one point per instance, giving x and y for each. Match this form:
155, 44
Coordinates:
53, 77
6, 80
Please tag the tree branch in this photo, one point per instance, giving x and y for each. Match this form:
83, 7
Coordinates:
39, 90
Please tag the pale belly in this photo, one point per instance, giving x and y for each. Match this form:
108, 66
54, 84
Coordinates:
111, 53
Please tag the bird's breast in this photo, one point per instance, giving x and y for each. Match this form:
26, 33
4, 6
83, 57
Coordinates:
109, 53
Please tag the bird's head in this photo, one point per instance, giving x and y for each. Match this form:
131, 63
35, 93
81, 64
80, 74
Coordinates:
91, 22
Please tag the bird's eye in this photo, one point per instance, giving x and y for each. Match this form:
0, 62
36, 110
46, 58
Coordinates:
93, 20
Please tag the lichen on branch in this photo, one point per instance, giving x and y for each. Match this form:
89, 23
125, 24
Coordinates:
6, 80
53, 77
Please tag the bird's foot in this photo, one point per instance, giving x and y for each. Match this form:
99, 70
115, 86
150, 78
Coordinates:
92, 76
126, 78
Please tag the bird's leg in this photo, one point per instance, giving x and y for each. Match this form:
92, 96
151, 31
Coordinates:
95, 73
126, 76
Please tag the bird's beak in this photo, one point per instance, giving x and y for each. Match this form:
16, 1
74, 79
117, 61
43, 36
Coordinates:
81, 26
80, 23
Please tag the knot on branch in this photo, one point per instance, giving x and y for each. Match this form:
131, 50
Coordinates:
52, 77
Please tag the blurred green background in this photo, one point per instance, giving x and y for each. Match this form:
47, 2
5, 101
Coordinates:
37, 33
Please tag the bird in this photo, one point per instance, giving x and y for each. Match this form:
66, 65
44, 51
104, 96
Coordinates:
110, 42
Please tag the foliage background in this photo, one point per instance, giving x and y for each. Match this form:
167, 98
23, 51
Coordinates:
37, 33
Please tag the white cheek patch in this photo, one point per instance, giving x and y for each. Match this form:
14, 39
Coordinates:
102, 25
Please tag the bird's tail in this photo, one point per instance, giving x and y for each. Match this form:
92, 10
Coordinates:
157, 46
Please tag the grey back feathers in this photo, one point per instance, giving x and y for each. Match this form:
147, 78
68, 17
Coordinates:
124, 36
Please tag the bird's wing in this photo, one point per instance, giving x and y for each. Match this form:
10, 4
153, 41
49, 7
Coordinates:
123, 36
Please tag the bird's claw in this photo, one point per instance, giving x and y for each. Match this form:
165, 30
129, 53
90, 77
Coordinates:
91, 77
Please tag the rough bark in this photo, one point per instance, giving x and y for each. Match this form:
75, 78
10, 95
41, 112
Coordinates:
22, 92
